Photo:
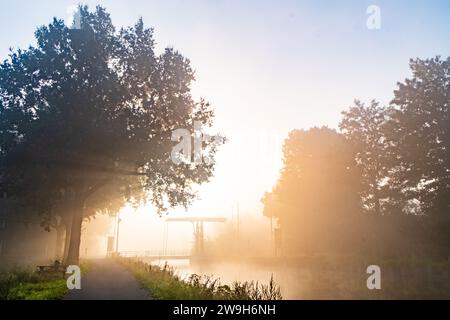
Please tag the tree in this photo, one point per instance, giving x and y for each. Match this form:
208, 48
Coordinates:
403, 153
316, 197
93, 109
364, 127
420, 133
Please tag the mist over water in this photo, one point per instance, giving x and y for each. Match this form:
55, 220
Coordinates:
229, 272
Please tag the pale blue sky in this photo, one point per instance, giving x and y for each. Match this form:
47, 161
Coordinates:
281, 50
268, 67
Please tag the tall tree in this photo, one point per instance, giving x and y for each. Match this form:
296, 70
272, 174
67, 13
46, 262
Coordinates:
93, 109
364, 126
316, 197
420, 133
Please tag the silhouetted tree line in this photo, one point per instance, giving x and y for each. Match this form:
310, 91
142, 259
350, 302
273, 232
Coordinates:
86, 119
380, 185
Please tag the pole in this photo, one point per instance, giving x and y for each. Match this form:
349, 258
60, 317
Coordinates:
165, 236
114, 234
117, 236
272, 236
239, 246
238, 222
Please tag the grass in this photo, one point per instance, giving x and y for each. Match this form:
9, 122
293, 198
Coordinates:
164, 284
48, 290
27, 285
85, 266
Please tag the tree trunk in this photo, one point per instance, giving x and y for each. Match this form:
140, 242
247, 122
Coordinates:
73, 253
78, 202
68, 225
60, 230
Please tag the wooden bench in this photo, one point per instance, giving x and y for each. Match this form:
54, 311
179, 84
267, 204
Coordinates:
56, 268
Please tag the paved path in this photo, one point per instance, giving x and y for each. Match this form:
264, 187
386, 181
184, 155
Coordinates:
108, 280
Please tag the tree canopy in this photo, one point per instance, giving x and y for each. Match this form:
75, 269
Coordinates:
86, 119
317, 192
400, 156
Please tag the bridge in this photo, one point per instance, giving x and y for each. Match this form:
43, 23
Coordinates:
197, 223
164, 254
157, 255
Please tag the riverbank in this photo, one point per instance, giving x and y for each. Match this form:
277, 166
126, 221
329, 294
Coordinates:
165, 284
333, 276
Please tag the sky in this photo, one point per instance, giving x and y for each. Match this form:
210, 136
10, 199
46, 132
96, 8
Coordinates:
267, 67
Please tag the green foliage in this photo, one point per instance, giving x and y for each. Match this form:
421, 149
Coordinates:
85, 266
94, 109
51, 290
25, 285
420, 134
364, 127
165, 284
86, 121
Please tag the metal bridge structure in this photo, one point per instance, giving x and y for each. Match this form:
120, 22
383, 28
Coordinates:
198, 250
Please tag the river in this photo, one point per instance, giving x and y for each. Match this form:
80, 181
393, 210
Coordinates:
292, 281
328, 278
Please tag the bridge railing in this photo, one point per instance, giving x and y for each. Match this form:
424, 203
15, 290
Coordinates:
154, 254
